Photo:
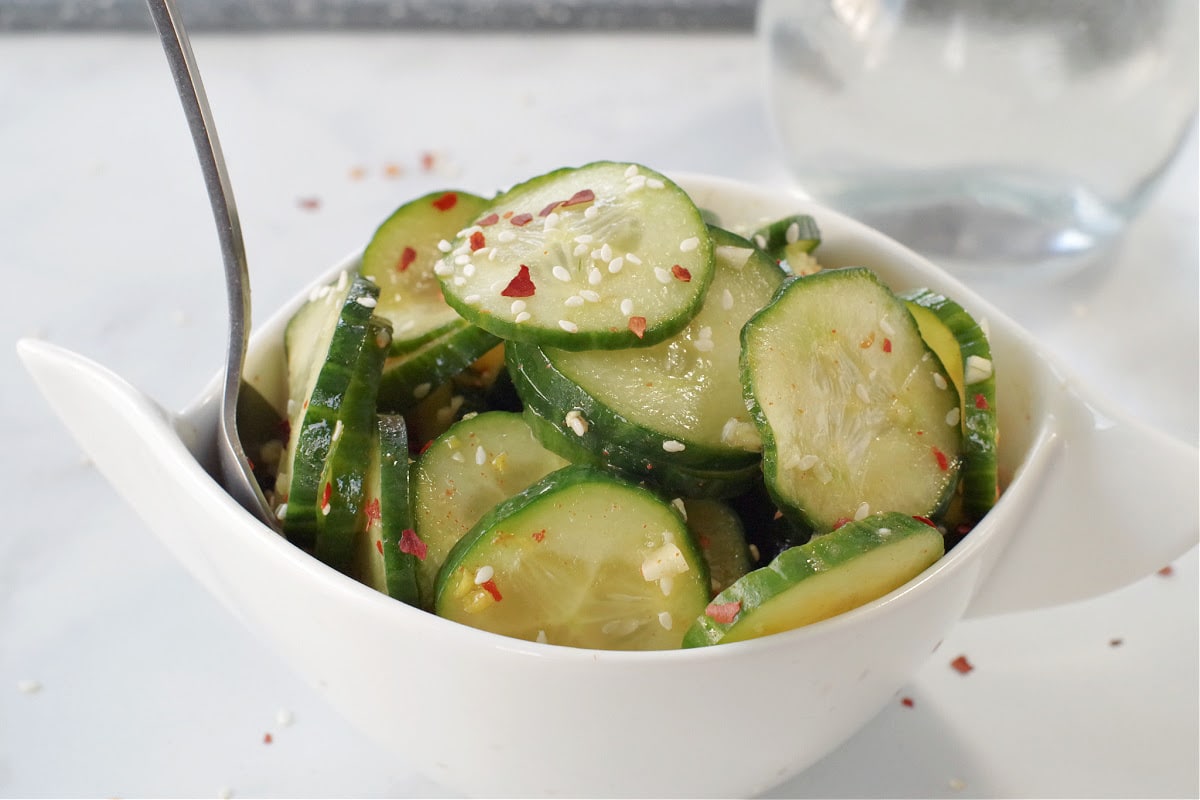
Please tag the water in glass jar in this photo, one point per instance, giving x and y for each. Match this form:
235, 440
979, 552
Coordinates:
980, 132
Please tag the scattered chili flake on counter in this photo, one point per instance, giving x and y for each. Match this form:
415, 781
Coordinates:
309, 203
393, 170
428, 160
907, 702
962, 665
268, 738
1167, 571
358, 173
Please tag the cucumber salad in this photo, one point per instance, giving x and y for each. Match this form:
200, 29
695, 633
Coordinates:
580, 413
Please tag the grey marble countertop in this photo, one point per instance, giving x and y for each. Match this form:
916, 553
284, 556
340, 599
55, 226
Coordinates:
119, 676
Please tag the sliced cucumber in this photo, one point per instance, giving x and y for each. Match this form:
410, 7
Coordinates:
791, 241
854, 410
668, 477
678, 402
323, 342
386, 553
962, 345
483, 386
400, 258
408, 378
601, 256
581, 558
341, 510
474, 465
834, 573
718, 531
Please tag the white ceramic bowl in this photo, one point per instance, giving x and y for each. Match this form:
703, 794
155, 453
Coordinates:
491, 716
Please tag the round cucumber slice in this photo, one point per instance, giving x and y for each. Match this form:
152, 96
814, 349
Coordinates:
962, 345
477, 463
605, 255
582, 559
856, 413
791, 241
834, 573
400, 258
385, 555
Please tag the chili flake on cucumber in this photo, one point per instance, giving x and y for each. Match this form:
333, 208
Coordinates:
629, 429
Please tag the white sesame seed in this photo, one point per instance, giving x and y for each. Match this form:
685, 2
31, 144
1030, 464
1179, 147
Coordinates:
939, 380
541, 637
807, 462
761, 241
627, 306
462, 259
884, 531
576, 422
492, 252
444, 246
421, 389
680, 507
551, 220
595, 276
689, 244
976, 369
343, 280
506, 236
584, 238
457, 456
442, 269
325, 509
517, 306
284, 718
616, 265
633, 259
574, 301
703, 345
665, 584
663, 275
655, 183
953, 416
568, 326
672, 446
595, 255
281, 511
580, 250
29, 686
619, 627
468, 269
606, 252
886, 327
561, 273
665, 619
726, 299
472, 299
631, 170
590, 212
484, 574
792, 234
338, 427
754, 552
459, 280
863, 511
366, 301
480, 456
522, 316
590, 296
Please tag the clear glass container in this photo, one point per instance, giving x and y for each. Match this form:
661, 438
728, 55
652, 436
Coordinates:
983, 133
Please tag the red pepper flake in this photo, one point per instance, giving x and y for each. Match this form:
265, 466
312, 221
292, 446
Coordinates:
907, 702
548, 210
508, 214
477, 241
961, 665
704, 542
840, 521
428, 161
425, 446
539, 536
379, 546
777, 515
723, 613
412, 544
521, 285
926, 520
580, 197
309, 203
638, 326
981, 402
268, 738
681, 273
490, 219
446, 201
521, 219
406, 259
327, 495
490, 586
942, 461
373, 511
1167, 571
887, 345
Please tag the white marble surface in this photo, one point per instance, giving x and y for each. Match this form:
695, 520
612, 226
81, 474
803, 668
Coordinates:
119, 676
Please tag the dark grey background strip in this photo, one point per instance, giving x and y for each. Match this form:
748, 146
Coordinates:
380, 15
